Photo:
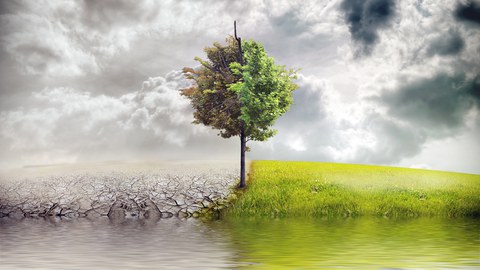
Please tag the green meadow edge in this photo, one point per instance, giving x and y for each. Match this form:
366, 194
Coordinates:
316, 189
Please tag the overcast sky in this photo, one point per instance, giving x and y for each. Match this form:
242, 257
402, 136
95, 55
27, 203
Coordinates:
381, 81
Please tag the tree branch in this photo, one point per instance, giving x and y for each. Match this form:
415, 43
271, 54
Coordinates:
213, 69
224, 63
239, 42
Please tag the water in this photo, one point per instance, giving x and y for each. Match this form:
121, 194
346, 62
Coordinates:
355, 243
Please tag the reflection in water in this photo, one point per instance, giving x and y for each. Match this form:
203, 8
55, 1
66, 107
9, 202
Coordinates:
100, 244
359, 243
356, 243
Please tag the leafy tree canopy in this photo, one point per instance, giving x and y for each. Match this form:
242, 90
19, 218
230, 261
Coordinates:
236, 98
214, 104
265, 90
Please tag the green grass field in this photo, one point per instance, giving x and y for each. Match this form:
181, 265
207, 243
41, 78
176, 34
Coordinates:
296, 189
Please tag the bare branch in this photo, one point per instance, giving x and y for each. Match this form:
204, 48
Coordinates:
213, 69
239, 42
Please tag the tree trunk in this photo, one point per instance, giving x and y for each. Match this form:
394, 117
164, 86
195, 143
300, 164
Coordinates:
243, 144
243, 139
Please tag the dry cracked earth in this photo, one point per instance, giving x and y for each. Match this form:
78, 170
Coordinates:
118, 191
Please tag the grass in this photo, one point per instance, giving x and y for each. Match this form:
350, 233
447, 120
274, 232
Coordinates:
296, 189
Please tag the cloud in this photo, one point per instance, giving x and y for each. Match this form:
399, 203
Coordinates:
419, 7
458, 153
475, 88
439, 105
68, 124
400, 121
392, 140
74, 39
290, 23
41, 44
302, 130
44, 51
468, 11
366, 18
105, 15
108, 46
449, 44
393, 126
319, 127
90, 58
418, 113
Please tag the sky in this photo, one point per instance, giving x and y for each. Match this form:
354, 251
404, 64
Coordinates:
385, 82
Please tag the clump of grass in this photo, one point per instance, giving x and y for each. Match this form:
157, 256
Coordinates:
296, 189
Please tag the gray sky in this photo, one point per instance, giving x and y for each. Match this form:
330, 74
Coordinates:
381, 81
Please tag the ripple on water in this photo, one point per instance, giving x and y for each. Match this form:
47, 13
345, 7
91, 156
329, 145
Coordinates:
355, 243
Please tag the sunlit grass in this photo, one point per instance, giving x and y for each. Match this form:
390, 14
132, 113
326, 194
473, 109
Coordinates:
282, 188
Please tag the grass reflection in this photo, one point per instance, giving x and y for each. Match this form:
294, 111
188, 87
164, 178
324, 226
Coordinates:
354, 243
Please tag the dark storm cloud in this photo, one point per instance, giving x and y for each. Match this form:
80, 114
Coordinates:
449, 44
475, 89
438, 105
5, 7
365, 18
419, 112
469, 11
11, 7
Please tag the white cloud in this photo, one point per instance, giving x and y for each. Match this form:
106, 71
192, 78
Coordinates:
155, 122
42, 46
67, 124
458, 153
89, 57
296, 143
322, 127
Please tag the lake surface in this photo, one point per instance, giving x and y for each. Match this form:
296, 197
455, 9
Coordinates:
353, 243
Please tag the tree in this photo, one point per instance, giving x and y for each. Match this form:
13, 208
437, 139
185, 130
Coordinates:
240, 91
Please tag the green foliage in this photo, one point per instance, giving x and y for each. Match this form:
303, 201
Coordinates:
228, 96
265, 90
283, 189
